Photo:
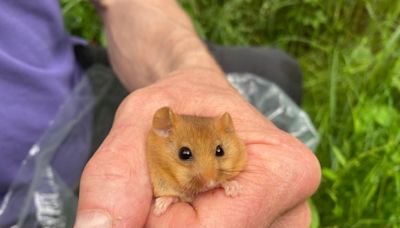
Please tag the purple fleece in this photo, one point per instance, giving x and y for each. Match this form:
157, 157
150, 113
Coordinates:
37, 73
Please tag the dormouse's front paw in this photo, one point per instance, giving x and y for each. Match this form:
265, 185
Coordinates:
232, 188
162, 203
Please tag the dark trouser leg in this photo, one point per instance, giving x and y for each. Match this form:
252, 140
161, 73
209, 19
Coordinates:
271, 64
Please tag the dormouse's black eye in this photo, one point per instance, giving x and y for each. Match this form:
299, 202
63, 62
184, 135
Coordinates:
219, 152
185, 153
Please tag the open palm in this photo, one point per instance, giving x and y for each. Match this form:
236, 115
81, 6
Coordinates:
280, 174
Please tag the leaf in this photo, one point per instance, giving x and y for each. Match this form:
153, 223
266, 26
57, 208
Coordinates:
383, 115
339, 155
396, 82
367, 116
329, 174
314, 214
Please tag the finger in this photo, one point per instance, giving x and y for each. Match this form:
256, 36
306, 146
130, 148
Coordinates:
300, 216
283, 175
115, 188
177, 215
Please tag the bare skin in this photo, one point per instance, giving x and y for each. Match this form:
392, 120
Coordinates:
177, 71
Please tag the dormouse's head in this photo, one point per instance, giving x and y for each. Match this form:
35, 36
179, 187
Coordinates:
198, 153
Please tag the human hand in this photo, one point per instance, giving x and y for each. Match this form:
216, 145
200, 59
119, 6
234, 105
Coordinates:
281, 173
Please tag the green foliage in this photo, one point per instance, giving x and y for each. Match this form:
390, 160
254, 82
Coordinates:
81, 19
349, 53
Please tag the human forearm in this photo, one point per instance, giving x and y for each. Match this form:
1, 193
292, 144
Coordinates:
149, 39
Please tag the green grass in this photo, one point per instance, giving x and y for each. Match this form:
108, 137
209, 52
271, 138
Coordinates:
350, 55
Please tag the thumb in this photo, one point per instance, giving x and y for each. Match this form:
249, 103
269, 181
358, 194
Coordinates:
115, 188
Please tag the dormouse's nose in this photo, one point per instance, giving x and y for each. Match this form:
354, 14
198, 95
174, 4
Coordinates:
208, 175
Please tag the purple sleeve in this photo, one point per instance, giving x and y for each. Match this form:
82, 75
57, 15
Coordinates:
37, 73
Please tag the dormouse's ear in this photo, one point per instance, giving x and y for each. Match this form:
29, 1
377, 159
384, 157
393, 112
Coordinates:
163, 121
226, 123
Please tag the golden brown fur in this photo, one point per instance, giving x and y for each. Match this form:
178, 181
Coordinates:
172, 176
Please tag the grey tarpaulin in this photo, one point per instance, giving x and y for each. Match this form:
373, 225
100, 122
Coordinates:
271, 101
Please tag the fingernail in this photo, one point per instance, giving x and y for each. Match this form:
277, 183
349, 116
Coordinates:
89, 219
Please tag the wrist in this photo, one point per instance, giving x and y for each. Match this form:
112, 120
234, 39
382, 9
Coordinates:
198, 76
184, 51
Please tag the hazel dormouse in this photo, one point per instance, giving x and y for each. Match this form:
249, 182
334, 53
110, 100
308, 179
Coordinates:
188, 155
